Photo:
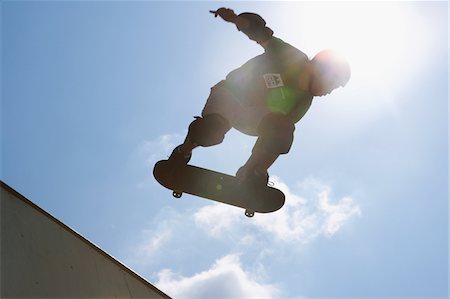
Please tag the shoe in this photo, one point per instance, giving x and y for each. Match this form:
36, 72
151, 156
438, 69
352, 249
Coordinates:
177, 158
258, 179
252, 177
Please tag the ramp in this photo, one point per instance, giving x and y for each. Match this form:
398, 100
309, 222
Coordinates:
43, 258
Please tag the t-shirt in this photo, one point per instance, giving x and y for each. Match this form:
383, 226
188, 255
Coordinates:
271, 79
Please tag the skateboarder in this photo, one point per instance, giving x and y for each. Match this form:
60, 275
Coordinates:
265, 97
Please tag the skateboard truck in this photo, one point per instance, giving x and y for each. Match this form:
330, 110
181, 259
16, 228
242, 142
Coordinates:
177, 194
249, 213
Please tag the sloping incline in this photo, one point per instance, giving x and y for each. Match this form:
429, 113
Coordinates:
43, 258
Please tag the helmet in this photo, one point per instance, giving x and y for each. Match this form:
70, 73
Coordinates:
333, 62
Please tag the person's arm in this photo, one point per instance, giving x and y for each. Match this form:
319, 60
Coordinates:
229, 16
250, 24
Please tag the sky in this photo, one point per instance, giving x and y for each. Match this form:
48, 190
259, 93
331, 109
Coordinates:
94, 93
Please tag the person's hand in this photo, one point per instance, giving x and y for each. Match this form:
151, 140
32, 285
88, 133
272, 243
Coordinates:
225, 13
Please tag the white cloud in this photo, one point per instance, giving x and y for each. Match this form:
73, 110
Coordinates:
299, 220
148, 249
334, 216
217, 218
225, 279
153, 242
154, 238
256, 239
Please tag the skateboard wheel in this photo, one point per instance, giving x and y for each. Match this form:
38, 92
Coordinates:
249, 213
177, 194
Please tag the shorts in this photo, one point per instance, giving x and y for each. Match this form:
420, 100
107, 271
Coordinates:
243, 118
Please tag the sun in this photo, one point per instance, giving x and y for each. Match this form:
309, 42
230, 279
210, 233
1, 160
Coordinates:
373, 36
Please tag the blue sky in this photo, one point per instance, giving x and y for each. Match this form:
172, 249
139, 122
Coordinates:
94, 93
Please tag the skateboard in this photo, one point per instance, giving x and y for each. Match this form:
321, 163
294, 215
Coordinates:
218, 187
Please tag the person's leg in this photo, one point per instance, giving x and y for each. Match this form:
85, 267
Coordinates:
206, 131
210, 129
260, 160
276, 134
203, 131
187, 147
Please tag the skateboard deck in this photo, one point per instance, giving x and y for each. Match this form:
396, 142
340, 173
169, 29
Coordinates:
218, 187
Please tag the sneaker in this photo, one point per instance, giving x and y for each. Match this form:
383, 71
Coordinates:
257, 178
178, 158
252, 177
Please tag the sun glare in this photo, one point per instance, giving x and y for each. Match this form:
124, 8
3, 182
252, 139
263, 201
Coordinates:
374, 38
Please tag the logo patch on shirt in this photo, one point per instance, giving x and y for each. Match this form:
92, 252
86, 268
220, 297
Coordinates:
273, 80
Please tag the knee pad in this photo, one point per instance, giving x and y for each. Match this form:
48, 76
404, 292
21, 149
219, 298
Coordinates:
208, 130
276, 134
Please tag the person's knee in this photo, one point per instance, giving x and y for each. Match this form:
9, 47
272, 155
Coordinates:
276, 134
208, 130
